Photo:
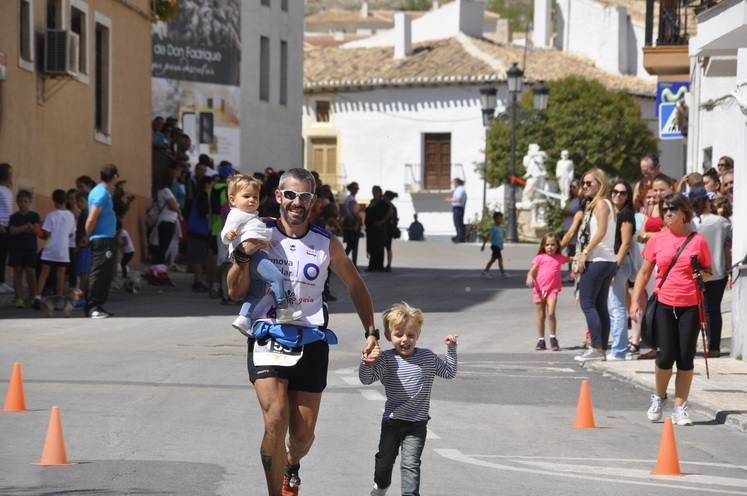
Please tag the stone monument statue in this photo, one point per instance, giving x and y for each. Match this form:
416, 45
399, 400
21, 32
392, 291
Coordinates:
534, 163
564, 173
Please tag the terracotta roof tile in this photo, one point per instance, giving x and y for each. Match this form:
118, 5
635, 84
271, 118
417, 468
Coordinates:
448, 61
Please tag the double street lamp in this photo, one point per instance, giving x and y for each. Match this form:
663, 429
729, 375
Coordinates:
541, 93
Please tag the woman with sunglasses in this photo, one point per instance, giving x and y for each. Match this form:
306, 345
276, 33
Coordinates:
596, 261
621, 196
676, 319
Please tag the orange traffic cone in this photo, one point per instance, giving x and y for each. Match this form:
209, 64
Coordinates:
14, 400
668, 463
584, 413
54, 446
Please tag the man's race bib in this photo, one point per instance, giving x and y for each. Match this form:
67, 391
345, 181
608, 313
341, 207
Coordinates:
271, 352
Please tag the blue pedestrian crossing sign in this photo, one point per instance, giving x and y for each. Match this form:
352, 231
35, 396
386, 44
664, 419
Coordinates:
669, 128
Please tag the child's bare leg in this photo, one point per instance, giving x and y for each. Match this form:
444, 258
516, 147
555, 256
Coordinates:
43, 275
551, 305
490, 264
83, 282
18, 281
541, 320
59, 287
500, 265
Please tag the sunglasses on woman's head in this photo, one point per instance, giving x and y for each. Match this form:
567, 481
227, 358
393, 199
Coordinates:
668, 209
291, 195
619, 192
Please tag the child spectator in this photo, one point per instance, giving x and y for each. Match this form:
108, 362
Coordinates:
416, 231
544, 279
83, 258
23, 227
242, 224
58, 229
125, 247
407, 373
496, 244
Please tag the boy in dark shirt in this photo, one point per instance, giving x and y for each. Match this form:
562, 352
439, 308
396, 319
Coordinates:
23, 227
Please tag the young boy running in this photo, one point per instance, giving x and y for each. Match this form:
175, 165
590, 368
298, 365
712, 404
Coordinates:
407, 374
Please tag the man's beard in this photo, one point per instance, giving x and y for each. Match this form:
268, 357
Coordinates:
294, 221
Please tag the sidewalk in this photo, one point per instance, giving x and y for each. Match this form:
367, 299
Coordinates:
723, 396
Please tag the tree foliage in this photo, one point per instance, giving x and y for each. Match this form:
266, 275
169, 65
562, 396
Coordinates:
598, 127
518, 12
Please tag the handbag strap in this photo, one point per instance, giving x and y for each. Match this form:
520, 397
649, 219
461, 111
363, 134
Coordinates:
676, 256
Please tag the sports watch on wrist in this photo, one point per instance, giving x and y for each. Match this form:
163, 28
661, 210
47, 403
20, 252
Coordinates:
374, 333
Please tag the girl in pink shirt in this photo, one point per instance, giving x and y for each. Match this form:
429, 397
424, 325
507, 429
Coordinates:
544, 277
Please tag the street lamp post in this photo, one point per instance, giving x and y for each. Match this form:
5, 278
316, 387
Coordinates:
487, 102
515, 78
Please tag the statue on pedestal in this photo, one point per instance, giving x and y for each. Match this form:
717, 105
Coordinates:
534, 163
564, 173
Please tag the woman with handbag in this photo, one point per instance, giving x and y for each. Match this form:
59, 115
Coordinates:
596, 262
672, 311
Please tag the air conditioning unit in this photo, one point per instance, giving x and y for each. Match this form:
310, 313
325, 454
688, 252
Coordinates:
62, 53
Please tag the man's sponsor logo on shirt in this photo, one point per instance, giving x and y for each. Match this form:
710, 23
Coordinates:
282, 261
311, 271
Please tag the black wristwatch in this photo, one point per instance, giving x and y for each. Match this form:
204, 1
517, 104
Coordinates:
374, 333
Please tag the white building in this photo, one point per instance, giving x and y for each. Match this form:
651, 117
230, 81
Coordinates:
406, 116
271, 84
718, 126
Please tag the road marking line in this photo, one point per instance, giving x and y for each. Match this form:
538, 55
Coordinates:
598, 459
456, 455
347, 371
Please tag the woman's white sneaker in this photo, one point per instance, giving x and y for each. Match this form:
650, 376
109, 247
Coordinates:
680, 415
655, 410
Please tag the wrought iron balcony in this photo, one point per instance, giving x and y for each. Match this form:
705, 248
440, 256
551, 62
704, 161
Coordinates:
676, 20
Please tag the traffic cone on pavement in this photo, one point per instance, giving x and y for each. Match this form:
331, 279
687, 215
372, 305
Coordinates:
667, 463
584, 413
14, 399
54, 446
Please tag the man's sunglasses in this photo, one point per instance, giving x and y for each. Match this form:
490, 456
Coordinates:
666, 210
291, 195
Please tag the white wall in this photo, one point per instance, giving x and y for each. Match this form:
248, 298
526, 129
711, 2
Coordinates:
270, 132
382, 130
601, 32
465, 16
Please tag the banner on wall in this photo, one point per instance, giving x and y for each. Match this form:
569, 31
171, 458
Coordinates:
195, 75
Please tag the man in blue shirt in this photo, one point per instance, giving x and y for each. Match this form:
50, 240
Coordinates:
101, 228
458, 199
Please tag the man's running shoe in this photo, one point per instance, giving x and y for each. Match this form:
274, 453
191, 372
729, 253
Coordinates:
554, 344
541, 346
243, 325
376, 491
654, 411
680, 415
291, 481
99, 313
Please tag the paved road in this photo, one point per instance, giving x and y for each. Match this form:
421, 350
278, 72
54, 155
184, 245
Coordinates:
157, 401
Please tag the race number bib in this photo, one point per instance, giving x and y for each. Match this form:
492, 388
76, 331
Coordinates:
271, 352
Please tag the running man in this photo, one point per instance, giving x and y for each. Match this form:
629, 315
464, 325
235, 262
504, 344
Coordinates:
290, 394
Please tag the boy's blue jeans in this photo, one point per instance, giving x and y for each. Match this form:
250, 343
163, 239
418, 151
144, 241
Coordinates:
616, 308
263, 270
411, 437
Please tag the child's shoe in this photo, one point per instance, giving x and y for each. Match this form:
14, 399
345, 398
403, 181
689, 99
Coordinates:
554, 344
284, 315
243, 325
541, 346
486, 275
376, 491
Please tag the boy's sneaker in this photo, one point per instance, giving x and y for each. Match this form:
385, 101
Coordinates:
291, 481
376, 491
285, 315
680, 415
99, 313
540, 345
243, 325
654, 411
554, 344
20, 303
486, 275
590, 355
